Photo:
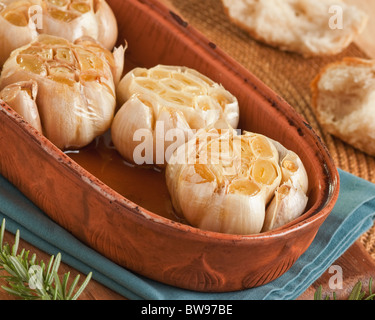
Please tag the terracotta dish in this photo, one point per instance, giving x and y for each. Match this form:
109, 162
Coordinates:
77, 191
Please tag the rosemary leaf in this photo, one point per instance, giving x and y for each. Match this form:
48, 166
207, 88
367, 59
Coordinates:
2, 229
370, 287
65, 284
18, 268
370, 297
10, 270
82, 287
58, 287
15, 292
16, 243
356, 292
49, 274
318, 293
72, 286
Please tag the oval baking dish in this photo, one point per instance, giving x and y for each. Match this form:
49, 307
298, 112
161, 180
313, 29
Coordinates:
143, 241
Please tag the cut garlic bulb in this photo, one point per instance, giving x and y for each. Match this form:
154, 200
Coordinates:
21, 97
172, 101
238, 184
21, 21
75, 83
222, 181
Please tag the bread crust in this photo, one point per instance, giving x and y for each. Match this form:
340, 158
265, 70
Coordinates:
361, 135
358, 24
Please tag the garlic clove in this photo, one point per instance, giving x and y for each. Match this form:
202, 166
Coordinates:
107, 24
292, 167
136, 120
240, 215
264, 158
226, 213
290, 199
194, 193
228, 105
288, 204
294, 170
21, 97
170, 131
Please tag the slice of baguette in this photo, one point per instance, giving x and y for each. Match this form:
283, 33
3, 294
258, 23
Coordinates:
303, 26
343, 97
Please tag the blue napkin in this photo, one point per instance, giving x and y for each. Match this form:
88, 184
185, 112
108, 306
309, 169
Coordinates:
352, 216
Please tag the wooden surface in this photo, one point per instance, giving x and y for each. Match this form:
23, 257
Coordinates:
356, 264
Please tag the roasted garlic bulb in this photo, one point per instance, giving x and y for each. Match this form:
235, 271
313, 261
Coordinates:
162, 106
21, 21
72, 85
222, 181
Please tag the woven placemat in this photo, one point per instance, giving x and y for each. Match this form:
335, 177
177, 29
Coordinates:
288, 74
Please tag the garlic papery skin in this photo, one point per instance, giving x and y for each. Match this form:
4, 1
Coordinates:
142, 137
290, 198
180, 100
21, 97
288, 204
76, 90
222, 181
21, 21
139, 118
107, 24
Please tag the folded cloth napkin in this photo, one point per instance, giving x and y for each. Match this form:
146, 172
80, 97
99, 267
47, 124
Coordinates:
352, 216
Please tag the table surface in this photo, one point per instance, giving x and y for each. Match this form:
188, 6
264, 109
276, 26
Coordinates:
356, 258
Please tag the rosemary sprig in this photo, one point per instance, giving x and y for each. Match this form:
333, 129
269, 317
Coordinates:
29, 279
356, 294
